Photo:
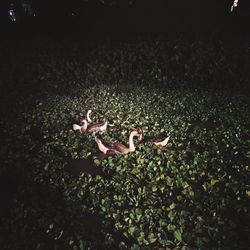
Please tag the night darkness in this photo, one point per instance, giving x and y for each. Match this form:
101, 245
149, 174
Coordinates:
125, 124
129, 17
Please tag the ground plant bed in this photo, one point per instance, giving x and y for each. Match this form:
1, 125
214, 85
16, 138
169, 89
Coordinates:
59, 192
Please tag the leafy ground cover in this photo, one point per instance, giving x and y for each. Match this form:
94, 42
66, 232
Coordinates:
58, 193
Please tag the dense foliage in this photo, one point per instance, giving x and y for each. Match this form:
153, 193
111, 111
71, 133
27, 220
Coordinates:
58, 193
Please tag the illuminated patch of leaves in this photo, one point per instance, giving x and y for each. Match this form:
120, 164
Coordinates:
178, 195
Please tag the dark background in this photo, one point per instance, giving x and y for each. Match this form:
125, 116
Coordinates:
193, 18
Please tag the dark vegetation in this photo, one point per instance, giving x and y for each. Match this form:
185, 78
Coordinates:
57, 193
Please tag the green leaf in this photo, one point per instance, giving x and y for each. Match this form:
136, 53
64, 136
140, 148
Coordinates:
248, 154
46, 166
214, 181
131, 230
154, 188
172, 206
178, 235
81, 245
135, 247
152, 238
